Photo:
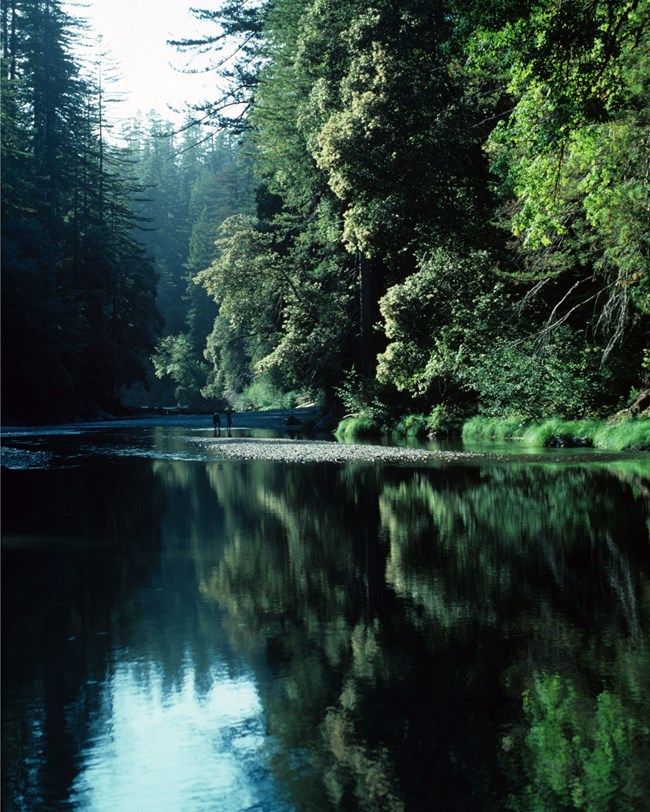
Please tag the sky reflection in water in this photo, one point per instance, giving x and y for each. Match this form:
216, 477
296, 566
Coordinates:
174, 749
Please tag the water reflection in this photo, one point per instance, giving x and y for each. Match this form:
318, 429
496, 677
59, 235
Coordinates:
219, 635
155, 746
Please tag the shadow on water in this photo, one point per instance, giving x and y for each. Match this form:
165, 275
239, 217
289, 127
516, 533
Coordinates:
205, 634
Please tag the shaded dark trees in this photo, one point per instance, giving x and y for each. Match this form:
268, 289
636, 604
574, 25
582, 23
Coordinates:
78, 305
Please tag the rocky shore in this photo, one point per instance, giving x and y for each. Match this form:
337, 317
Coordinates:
306, 451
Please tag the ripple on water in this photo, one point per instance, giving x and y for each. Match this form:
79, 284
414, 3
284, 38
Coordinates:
22, 459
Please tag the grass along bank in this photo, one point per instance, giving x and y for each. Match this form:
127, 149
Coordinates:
622, 434
631, 434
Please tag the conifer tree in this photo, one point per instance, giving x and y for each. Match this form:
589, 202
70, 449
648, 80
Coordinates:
78, 295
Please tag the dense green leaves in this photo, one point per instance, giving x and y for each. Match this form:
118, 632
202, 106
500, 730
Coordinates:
429, 318
391, 132
573, 154
401, 150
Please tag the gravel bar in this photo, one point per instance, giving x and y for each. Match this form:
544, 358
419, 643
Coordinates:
288, 450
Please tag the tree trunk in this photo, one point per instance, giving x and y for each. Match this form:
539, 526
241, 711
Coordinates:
365, 309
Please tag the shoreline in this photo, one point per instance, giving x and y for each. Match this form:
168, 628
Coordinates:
317, 451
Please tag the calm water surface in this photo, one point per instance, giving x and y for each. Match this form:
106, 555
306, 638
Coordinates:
181, 632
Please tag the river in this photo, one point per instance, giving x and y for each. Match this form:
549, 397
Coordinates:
186, 630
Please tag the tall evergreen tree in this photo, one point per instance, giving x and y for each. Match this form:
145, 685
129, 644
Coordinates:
78, 295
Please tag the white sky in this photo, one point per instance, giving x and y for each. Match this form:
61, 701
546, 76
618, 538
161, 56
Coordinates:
134, 34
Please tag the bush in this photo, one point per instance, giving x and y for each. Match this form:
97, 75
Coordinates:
413, 425
566, 378
442, 419
361, 396
263, 394
442, 292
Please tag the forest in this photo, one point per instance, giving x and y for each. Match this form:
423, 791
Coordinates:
387, 208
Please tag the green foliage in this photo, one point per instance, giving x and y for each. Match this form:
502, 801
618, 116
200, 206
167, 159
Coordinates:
565, 375
373, 130
359, 426
396, 132
556, 431
486, 428
361, 396
447, 418
413, 425
245, 278
573, 153
368, 413
632, 434
228, 356
174, 357
264, 393
294, 315
629, 435
645, 365
309, 347
442, 420
376, 419
426, 318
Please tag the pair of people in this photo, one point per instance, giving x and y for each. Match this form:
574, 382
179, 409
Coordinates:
216, 418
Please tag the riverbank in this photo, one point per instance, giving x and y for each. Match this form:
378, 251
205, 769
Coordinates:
274, 436
631, 434
621, 433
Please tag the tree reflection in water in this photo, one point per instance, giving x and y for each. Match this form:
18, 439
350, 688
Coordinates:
453, 638
406, 614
